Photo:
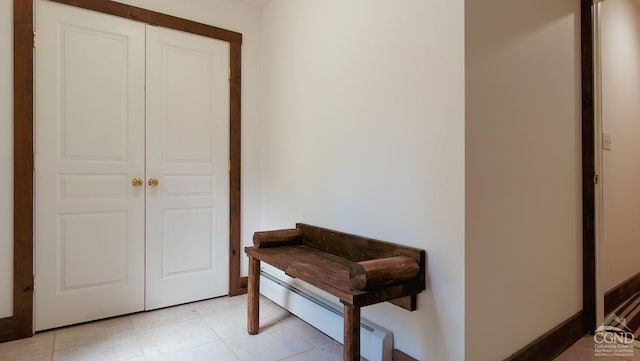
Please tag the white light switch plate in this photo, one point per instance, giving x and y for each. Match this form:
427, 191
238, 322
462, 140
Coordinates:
606, 141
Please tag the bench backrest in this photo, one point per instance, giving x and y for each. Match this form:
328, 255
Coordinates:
355, 248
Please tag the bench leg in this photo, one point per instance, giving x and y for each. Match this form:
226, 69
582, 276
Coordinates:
253, 296
351, 340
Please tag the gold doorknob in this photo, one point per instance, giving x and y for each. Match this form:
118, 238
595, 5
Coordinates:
153, 182
137, 182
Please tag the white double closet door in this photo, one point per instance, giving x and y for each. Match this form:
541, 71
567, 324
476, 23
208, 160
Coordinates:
118, 100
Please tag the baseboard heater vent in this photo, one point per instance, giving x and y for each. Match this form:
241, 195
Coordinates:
376, 343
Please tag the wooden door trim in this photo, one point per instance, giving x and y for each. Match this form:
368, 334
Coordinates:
237, 284
588, 168
154, 18
22, 168
21, 323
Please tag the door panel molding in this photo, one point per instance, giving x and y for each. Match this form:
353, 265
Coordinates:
21, 323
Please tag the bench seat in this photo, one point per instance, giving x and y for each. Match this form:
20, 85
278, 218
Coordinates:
330, 273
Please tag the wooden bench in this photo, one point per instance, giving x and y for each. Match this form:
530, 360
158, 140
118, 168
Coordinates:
359, 271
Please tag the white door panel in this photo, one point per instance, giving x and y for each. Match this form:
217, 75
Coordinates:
89, 115
187, 151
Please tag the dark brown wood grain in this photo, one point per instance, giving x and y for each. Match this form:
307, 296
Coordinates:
236, 287
588, 168
408, 302
352, 247
390, 293
253, 297
155, 18
351, 336
23, 142
318, 268
331, 272
619, 294
283, 237
7, 329
554, 342
358, 248
23, 168
367, 275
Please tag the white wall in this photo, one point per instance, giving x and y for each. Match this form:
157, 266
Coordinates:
222, 13
620, 59
363, 132
6, 158
523, 179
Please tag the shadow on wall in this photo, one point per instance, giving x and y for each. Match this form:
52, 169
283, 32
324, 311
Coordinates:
513, 20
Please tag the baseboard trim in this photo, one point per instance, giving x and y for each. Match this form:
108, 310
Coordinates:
554, 342
622, 292
241, 290
7, 329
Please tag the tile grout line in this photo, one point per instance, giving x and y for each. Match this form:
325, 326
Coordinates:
231, 350
135, 334
126, 328
219, 337
53, 346
225, 342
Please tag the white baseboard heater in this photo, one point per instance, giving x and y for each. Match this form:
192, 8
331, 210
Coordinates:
376, 343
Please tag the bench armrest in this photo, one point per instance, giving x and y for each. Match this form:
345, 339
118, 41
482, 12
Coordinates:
283, 237
366, 275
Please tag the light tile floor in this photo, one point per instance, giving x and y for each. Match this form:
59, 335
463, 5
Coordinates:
207, 330
584, 350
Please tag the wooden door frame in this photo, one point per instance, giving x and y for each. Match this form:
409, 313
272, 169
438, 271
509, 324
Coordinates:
20, 325
588, 167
